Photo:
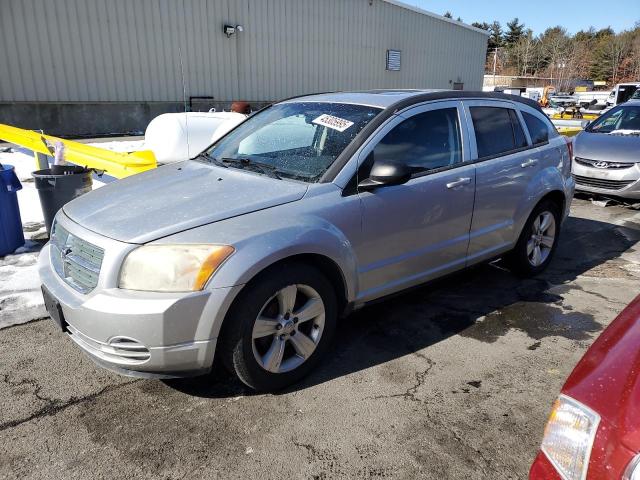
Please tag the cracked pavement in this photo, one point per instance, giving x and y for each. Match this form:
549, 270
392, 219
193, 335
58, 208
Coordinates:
452, 380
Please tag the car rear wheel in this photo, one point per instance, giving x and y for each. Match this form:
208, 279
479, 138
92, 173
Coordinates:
279, 328
538, 240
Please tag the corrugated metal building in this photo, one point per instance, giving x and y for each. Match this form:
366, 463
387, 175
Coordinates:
91, 66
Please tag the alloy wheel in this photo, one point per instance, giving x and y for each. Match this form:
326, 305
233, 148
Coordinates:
288, 328
542, 239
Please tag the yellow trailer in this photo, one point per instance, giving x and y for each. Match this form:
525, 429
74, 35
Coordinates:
115, 164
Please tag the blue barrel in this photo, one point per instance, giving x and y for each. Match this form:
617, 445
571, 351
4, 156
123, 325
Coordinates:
11, 236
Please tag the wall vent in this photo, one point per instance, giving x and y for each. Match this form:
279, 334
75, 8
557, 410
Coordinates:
393, 60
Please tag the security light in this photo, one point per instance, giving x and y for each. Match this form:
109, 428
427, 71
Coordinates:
231, 30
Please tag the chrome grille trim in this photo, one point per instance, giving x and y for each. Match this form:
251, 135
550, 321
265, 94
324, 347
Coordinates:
602, 183
120, 350
75, 260
609, 165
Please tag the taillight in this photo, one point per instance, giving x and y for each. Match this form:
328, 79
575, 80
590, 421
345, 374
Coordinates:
569, 141
567, 165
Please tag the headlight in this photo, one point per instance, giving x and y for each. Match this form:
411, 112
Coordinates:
632, 471
172, 268
568, 437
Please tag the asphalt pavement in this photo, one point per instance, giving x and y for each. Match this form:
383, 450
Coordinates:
452, 380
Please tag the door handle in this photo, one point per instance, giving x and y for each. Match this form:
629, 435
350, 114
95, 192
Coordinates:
532, 162
460, 181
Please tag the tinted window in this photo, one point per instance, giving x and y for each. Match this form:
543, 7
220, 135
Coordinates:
494, 132
426, 141
518, 132
537, 129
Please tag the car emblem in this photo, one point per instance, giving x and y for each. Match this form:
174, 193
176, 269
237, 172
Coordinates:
601, 164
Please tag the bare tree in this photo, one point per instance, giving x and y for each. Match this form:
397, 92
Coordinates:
556, 47
616, 49
595, 54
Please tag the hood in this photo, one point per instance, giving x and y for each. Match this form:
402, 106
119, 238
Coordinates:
607, 148
177, 197
607, 378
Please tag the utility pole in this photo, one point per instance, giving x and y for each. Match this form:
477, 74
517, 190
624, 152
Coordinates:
495, 61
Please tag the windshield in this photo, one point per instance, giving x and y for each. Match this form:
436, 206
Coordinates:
294, 140
623, 117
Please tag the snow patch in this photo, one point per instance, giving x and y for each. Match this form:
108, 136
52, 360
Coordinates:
20, 295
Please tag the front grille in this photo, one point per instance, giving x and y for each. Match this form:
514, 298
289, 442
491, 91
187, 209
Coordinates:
75, 260
602, 165
602, 183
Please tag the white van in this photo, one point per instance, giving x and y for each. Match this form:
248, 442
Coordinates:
621, 93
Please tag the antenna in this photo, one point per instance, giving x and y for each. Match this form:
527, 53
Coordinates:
184, 101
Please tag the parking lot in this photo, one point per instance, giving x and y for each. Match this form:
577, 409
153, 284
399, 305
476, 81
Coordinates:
452, 380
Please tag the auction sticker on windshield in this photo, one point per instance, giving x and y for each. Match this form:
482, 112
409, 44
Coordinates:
336, 123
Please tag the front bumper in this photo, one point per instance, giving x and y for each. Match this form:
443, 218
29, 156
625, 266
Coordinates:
139, 333
569, 190
624, 182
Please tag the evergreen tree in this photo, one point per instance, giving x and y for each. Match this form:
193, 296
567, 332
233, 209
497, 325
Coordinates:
448, 15
495, 37
482, 26
515, 31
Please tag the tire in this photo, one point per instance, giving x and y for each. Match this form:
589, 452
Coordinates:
297, 336
523, 260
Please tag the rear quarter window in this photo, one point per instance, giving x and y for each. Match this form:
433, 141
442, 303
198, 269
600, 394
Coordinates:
538, 130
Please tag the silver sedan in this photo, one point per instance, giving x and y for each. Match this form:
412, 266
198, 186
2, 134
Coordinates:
607, 153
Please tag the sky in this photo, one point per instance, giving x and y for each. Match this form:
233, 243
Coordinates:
540, 14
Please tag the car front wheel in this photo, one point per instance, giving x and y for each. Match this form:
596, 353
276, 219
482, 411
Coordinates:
280, 327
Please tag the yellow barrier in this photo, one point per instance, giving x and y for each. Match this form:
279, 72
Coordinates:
115, 164
569, 131
568, 116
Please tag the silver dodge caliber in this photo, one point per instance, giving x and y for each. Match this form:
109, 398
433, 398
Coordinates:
313, 207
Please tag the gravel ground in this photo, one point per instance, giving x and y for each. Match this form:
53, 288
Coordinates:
453, 380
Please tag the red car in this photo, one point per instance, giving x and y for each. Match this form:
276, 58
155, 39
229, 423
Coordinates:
593, 431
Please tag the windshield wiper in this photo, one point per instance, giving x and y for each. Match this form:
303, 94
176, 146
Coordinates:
211, 159
265, 168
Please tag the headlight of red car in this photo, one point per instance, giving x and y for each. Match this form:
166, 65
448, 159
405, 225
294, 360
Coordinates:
633, 469
568, 437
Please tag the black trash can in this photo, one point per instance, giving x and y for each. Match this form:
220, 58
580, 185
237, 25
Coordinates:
59, 185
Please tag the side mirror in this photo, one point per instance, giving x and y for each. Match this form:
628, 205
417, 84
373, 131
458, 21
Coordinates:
385, 173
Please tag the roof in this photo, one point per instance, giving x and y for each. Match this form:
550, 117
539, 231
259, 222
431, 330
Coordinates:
372, 98
399, 99
435, 15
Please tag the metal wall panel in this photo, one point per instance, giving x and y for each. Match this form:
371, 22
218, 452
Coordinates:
140, 51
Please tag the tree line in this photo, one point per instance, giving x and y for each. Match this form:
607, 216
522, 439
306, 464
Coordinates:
588, 54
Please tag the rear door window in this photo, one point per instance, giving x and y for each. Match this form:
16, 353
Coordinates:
537, 129
494, 130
